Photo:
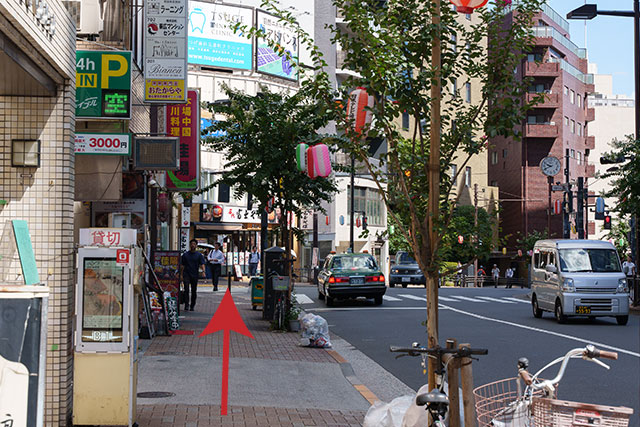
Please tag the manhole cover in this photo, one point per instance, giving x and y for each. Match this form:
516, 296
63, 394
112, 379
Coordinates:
155, 394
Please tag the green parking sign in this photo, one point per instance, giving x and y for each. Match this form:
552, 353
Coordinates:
103, 84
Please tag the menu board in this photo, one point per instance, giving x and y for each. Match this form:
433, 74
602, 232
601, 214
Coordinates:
103, 291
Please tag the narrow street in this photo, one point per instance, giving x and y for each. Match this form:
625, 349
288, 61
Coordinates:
499, 320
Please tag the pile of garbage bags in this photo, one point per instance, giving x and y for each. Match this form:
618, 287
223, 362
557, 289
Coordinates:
315, 331
400, 412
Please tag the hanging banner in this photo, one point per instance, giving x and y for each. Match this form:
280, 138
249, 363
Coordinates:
103, 84
184, 240
183, 121
212, 41
165, 70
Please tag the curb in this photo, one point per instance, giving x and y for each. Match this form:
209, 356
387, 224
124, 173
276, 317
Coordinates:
349, 374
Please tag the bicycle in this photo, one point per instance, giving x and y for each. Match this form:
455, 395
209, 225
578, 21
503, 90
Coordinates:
436, 401
505, 403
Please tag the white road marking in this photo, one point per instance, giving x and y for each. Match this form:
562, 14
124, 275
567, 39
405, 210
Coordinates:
370, 308
497, 300
390, 298
440, 297
413, 297
303, 299
544, 331
469, 299
518, 300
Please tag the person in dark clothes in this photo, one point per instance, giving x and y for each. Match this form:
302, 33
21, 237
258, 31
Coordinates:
191, 263
254, 260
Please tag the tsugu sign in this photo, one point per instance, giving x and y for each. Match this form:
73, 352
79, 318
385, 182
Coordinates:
103, 84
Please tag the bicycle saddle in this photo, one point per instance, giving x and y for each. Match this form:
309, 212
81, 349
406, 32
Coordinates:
434, 396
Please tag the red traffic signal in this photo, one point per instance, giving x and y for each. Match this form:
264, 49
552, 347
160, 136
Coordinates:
607, 222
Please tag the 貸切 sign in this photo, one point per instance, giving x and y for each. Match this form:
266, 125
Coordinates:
103, 84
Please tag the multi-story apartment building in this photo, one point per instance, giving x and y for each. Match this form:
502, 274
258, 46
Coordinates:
614, 120
557, 127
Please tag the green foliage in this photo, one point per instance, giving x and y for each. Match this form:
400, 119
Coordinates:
527, 242
625, 179
462, 223
619, 233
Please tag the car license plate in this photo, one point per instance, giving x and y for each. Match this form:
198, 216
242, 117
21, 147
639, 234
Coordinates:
583, 309
406, 279
356, 280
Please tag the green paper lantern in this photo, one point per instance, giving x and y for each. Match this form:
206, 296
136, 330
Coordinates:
301, 157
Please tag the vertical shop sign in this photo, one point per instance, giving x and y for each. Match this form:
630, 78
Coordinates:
184, 240
165, 64
186, 217
183, 121
103, 84
167, 267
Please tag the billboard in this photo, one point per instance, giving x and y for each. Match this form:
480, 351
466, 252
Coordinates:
103, 84
183, 121
269, 61
212, 42
165, 70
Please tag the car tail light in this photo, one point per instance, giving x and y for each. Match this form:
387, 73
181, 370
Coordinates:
381, 278
338, 279
371, 278
332, 279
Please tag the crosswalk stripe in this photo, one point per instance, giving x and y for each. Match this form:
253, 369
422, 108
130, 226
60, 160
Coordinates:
388, 298
303, 299
440, 297
517, 300
469, 299
497, 300
413, 297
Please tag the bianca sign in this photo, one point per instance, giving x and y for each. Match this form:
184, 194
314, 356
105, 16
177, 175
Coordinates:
115, 144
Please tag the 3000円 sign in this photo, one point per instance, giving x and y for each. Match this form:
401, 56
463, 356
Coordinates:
115, 144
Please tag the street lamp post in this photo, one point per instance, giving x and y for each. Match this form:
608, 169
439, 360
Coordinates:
590, 11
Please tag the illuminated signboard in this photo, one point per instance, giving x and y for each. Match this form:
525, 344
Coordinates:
103, 84
269, 61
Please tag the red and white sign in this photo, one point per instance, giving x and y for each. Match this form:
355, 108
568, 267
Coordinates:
557, 207
107, 237
115, 144
186, 217
183, 121
122, 257
184, 239
359, 108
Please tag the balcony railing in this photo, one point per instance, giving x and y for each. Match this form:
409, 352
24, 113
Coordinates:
544, 69
556, 35
590, 142
555, 17
590, 170
564, 65
591, 114
541, 130
551, 100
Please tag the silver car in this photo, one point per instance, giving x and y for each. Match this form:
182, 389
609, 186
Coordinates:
578, 278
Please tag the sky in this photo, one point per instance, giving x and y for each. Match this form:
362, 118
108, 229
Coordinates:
609, 40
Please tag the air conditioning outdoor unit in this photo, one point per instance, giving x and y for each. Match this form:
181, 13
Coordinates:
86, 14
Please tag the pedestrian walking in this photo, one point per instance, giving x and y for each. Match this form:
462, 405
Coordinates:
191, 263
254, 260
495, 274
509, 275
628, 267
459, 275
216, 258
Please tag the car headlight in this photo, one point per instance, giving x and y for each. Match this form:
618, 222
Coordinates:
623, 286
394, 271
568, 285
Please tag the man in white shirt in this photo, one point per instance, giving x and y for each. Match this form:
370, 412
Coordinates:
216, 258
495, 274
509, 275
628, 267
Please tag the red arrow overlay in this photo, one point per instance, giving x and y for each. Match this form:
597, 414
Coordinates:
227, 319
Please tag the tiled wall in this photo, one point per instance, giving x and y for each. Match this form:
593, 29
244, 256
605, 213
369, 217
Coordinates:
44, 198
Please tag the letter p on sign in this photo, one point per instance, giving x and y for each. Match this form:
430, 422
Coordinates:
122, 257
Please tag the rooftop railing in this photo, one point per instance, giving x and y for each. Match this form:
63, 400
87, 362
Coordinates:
557, 35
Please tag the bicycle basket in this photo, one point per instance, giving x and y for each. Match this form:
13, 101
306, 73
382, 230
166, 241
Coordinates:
500, 404
562, 413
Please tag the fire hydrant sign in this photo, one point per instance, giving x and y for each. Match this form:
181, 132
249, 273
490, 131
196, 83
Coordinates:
165, 69
115, 144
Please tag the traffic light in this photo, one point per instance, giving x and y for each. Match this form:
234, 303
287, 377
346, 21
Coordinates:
364, 222
606, 160
607, 222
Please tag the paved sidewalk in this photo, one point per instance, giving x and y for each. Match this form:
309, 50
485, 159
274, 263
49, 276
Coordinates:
272, 380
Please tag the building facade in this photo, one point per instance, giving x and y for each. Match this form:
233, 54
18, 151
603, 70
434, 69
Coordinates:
557, 127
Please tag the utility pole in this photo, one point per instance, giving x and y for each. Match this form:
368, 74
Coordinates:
580, 208
315, 249
568, 203
550, 206
353, 202
475, 236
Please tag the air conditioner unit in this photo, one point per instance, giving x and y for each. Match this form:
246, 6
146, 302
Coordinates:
91, 21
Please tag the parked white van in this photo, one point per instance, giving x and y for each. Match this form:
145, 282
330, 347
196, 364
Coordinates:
578, 278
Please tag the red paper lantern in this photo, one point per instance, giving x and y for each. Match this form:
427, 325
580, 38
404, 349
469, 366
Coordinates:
326, 220
461, 239
468, 6
318, 161
358, 116
217, 211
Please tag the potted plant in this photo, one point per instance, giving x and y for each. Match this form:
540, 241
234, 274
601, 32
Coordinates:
293, 315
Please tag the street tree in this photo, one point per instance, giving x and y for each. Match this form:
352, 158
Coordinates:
416, 57
258, 135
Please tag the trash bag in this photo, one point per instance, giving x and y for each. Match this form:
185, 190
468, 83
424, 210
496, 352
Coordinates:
315, 331
382, 414
416, 416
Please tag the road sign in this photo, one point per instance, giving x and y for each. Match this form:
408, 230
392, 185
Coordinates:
557, 207
560, 187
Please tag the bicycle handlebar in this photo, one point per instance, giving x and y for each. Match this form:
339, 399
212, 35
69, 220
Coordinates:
605, 354
458, 352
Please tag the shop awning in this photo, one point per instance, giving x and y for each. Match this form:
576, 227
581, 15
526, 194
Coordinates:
217, 227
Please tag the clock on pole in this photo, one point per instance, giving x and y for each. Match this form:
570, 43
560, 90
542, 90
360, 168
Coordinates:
550, 166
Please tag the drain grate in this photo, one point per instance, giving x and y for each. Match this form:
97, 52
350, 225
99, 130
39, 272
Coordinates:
155, 394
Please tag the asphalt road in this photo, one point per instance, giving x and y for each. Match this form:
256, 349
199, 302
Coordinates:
501, 321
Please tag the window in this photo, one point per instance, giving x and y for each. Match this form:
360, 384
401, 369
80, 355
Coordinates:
579, 101
454, 43
573, 126
566, 121
224, 193
534, 57
572, 97
579, 129
467, 176
405, 120
454, 171
504, 153
566, 90
573, 153
454, 87
207, 179
467, 92
536, 88
468, 16
494, 157
367, 200
579, 157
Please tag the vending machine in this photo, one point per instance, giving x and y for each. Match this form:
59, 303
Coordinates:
109, 283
